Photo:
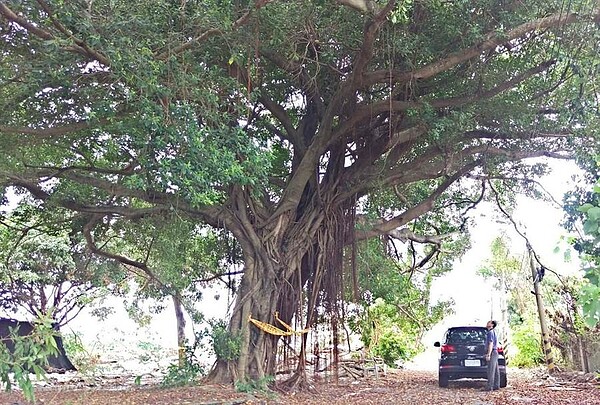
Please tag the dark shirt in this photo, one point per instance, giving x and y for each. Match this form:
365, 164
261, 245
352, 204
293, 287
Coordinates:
491, 337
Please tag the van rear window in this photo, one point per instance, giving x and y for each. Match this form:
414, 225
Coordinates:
457, 336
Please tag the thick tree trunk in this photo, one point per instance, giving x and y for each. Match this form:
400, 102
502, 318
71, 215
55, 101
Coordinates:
295, 253
257, 297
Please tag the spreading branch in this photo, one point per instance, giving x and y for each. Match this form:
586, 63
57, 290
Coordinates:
52, 132
212, 32
491, 41
79, 46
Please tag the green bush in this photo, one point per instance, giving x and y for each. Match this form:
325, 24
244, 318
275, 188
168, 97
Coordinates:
185, 373
386, 333
390, 348
226, 346
529, 348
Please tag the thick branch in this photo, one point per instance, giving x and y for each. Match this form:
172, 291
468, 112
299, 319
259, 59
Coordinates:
87, 232
218, 276
405, 234
79, 47
280, 113
491, 42
211, 32
52, 131
366, 50
325, 136
365, 113
295, 70
128, 212
430, 164
417, 210
84, 48
30, 27
282, 116
487, 134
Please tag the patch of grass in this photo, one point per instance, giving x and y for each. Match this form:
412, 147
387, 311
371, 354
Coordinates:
258, 386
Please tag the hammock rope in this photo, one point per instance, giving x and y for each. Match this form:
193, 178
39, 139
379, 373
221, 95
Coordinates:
274, 330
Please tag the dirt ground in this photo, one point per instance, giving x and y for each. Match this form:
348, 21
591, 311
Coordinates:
396, 387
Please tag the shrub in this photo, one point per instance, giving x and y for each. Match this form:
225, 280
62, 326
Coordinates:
391, 348
30, 355
529, 348
226, 346
85, 361
185, 373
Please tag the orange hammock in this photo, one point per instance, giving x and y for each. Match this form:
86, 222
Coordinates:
274, 330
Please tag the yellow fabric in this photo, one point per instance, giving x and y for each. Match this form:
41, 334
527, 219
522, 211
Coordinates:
274, 330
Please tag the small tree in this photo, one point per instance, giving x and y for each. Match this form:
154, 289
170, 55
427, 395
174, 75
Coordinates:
394, 307
511, 279
175, 260
46, 269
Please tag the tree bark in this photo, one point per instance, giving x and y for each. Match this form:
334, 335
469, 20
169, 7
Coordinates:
278, 265
257, 298
179, 316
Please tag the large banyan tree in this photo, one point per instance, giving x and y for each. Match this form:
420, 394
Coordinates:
301, 127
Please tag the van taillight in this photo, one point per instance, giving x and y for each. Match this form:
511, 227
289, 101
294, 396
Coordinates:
448, 349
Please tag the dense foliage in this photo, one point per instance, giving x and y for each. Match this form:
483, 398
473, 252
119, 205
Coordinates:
590, 245
526, 337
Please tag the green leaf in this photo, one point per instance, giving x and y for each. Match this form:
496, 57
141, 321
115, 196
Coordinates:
590, 296
585, 207
590, 227
594, 213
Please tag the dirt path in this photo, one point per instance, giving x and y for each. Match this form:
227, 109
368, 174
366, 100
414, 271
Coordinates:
397, 387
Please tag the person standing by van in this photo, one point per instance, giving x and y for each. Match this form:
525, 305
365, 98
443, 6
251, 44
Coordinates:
491, 356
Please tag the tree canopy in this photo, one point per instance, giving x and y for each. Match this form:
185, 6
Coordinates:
46, 270
300, 127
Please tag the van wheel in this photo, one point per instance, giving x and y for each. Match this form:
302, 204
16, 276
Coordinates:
503, 381
443, 380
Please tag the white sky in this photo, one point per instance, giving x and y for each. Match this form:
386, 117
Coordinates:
538, 220
475, 298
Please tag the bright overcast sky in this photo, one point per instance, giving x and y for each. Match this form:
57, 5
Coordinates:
538, 220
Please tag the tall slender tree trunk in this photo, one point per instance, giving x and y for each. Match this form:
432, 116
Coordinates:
179, 316
542, 315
